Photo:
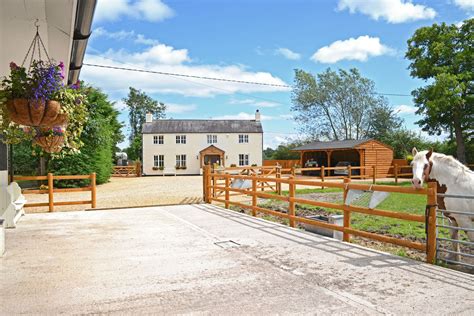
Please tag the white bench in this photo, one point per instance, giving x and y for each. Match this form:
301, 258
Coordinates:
15, 201
169, 171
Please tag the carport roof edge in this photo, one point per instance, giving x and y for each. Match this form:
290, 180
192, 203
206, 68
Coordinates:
337, 144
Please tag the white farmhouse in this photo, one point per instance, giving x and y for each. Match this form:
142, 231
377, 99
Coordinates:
185, 146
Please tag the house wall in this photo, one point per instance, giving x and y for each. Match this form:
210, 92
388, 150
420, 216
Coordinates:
229, 142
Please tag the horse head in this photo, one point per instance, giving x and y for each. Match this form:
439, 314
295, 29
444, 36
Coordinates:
421, 166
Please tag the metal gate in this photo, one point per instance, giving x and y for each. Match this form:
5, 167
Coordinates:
457, 251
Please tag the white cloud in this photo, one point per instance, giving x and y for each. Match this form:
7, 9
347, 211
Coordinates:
393, 11
467, 5
123, 35
167, 59
405, 109
149, 10
287, 116
287, 53
360, 49
242, 116
253, 102
179, 108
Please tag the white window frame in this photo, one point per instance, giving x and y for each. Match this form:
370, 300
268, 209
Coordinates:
243, 138
181, 160
244, 159
212, 139
158, 139
159, 161
180, 139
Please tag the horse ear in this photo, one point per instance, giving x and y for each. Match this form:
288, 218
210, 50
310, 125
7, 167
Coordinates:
414, 151
429, 153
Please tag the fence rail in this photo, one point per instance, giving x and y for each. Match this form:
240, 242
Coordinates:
214, 187
51, 190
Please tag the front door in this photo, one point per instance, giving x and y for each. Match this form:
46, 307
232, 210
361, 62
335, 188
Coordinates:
212, 159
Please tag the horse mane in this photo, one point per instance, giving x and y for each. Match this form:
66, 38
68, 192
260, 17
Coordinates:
450, 161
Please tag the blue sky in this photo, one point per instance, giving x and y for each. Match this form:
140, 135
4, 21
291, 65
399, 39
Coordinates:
261, 41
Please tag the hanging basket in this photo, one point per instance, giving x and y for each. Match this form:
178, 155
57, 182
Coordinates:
36, 113
50, 144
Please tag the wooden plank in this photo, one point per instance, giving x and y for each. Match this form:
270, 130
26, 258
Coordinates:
36, 204
72, 203
29, 178
72, 177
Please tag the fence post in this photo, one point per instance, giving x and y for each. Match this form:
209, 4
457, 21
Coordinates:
431, 222
209, 183
349, 171
227, 196
254, 196
50, 192
206, 182
293, 171
291, 206
347, 213
278, 176
138, 168
395, 172
322, 175
374, 170
93, 190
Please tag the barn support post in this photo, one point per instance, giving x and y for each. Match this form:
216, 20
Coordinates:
431, 223
347, 213
322, 176
374, 176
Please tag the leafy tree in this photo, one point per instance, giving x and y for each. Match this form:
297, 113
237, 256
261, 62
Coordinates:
442, 55
139, 104
134, 151
402, 141
283, 152
101, 134
268, 153
339, 105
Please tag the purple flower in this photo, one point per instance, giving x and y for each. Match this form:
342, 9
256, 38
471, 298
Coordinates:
76, 85
13, 66
61, 65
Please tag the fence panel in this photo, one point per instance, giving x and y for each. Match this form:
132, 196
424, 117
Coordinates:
51, 190
429, 219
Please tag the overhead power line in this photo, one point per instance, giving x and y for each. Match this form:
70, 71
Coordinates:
190, 76
215, 79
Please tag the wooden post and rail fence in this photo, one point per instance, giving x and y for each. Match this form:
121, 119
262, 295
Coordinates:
51, 190
212, 187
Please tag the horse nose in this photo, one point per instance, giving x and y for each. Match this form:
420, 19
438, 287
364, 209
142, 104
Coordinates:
416, 181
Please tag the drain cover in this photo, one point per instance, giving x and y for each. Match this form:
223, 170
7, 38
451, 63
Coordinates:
227, 244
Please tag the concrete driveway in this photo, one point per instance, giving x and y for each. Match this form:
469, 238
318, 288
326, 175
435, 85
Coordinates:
204, 259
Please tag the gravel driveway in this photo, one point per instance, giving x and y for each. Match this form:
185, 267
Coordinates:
126, 192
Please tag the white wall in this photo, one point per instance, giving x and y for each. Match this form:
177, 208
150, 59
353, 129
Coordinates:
194, 144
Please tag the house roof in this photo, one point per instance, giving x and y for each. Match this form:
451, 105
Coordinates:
202, 126
338, 144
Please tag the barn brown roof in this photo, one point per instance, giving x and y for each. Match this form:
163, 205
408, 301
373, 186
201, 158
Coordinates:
337, 144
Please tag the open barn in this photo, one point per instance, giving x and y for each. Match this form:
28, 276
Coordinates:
363, 152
